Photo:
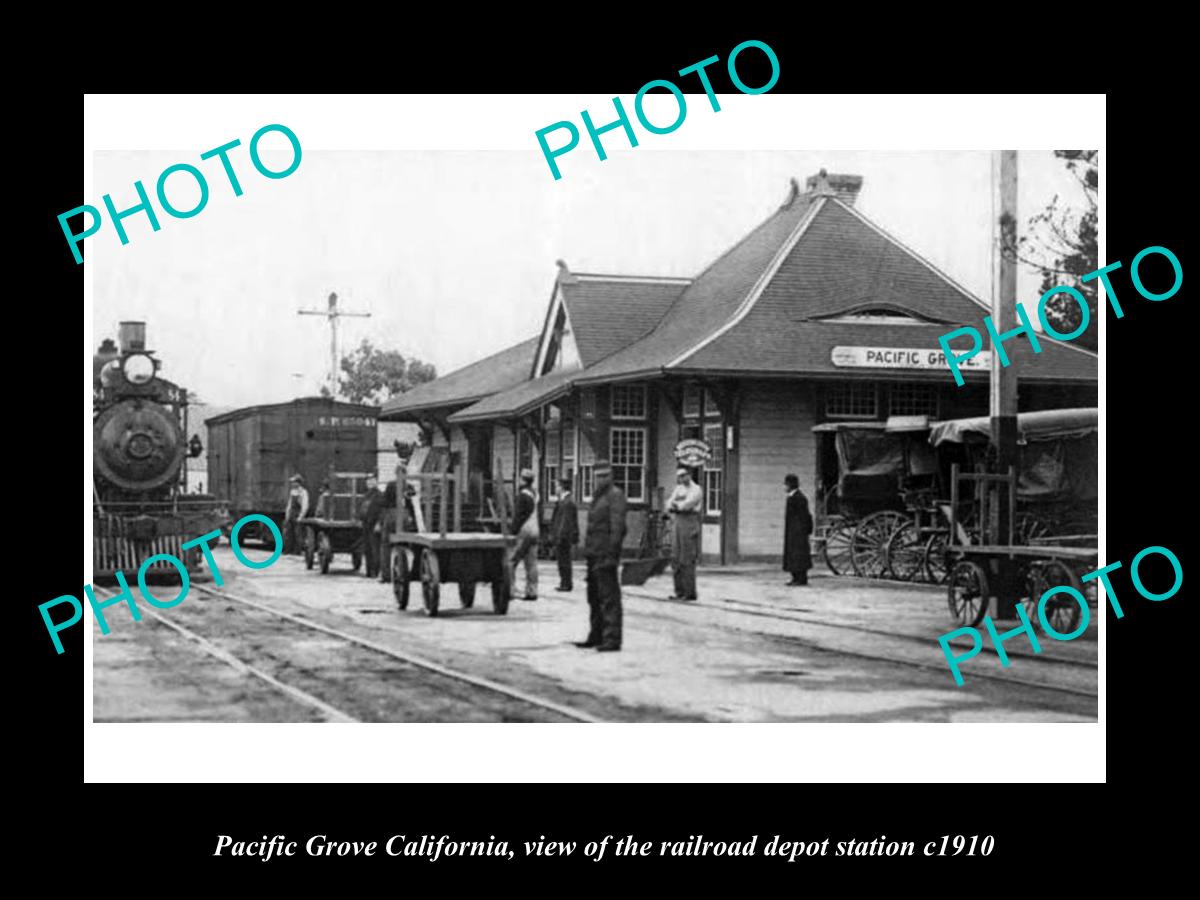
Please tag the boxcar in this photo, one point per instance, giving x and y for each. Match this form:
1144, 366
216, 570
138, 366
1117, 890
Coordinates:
252, 452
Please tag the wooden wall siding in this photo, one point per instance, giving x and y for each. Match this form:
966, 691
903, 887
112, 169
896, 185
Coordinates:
776, 438
503, 451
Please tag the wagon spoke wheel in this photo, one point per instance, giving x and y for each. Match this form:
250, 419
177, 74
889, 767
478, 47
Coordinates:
466, 594
936, 565
868, 547
1062, 610
836, 549
431, 580
310, 546
324, 551
400, 582
967, 592
905, 552
502, 588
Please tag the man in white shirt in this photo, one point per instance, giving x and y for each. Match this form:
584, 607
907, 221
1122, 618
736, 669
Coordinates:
685, 507
297, 508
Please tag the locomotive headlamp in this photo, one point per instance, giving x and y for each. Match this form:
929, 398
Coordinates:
138, 368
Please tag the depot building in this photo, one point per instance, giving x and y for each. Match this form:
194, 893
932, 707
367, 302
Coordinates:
818, 315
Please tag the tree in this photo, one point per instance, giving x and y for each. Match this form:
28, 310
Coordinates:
1060, 242
372, 375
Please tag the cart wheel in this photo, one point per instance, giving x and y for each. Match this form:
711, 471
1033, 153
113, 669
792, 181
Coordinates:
466, 594
400, 583
1062, 613
936, 569
501, 594
324, 551
356, 560
836, 550
868, 546
430, 581
310, 546
905, 553
967, 593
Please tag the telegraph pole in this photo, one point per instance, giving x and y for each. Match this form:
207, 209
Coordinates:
332, 314
1002, 405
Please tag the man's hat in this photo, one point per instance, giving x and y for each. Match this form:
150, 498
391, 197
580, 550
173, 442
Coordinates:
297, 477
682, 471
527, 474
565, 481
791, 481
602, 467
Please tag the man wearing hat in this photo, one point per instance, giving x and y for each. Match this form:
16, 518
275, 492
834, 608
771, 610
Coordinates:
296, 509
564, 532
797, 527
602, 549
685, 506
525, 527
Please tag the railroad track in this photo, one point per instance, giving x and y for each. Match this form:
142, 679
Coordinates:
760, 610
328, 711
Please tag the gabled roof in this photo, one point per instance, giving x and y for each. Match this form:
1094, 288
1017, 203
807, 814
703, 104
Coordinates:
713, 297
610, 312
466, 385
843, 262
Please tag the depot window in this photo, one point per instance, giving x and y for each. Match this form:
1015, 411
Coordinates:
713, 469
627, 451
853, 400
913, 400
628, 401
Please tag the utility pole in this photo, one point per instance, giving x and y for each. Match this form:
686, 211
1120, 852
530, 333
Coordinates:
1002, 406
333, 314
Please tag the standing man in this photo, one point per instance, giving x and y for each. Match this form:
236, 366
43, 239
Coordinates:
564, 531
370, 511
684, 506
602, 548
387, 525
525, 527
797, 527
296, 509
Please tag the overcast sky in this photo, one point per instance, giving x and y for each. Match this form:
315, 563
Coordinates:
452, 252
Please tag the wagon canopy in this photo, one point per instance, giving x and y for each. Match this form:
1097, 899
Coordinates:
1044, 425
1059, 450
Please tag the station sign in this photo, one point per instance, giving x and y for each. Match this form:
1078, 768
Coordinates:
903, 358
692, 452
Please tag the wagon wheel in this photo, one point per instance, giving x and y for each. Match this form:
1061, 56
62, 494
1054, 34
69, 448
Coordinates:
868, 546
466, 594
905, 552
355, 559
431, 579
1062, 611
324, 551
400, 583
836, 549
936, 568
967, 592
310, 546
502, 587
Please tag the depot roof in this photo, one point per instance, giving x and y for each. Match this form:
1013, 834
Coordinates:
466, 385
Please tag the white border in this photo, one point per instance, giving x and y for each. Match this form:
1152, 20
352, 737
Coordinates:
643, 753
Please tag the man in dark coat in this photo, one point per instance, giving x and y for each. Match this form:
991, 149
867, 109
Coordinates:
387, 526
797, 527
602, 549
370, 512
564, 532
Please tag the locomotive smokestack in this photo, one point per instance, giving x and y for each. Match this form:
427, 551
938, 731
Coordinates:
132, 336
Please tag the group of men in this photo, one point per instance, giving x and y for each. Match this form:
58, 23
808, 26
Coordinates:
602, 542
601, 550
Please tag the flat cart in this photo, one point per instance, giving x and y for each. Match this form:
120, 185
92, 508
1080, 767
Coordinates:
1054, 485
447, 554
336, 529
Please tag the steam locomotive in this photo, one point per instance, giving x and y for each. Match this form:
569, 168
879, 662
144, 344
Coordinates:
139, 422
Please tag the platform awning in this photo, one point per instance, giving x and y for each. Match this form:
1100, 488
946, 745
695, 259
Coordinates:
517, 401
